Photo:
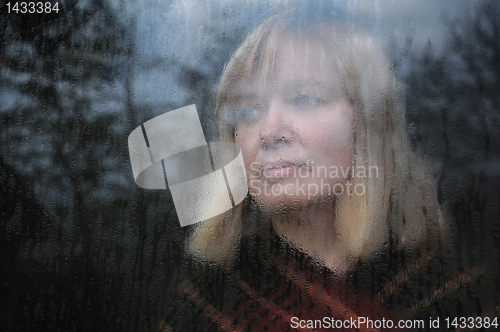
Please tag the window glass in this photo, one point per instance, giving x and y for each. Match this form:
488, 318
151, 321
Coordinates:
249, 165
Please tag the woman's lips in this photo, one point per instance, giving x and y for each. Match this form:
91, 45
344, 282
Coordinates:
279, 171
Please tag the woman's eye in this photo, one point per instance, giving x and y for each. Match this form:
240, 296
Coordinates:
307, 100
247, 114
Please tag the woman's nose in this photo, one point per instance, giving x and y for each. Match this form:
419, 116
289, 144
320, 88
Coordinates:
277, 128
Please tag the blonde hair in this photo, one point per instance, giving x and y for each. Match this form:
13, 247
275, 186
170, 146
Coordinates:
400, 204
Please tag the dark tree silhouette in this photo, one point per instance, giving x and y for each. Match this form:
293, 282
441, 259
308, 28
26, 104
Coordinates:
78, 252
453, 104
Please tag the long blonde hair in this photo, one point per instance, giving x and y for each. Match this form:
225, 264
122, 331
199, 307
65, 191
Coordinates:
400, 204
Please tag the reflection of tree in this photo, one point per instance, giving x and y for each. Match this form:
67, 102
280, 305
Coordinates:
453, 111
23, 222
62, 146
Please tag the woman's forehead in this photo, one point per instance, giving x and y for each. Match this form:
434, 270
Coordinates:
293, 61
294, 67
302, 60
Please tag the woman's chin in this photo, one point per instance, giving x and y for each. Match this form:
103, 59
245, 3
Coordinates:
289, 193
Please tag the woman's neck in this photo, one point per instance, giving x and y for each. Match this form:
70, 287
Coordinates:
312, 230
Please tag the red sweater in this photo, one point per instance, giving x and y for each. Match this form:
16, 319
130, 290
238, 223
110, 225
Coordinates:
274, 288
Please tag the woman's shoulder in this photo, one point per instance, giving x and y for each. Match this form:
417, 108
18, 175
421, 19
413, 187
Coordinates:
271, 282
421, 284
267, 286
193, 302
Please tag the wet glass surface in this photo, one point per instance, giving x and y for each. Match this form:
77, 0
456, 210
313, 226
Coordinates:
83, 248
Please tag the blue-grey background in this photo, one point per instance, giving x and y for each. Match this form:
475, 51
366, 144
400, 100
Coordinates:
82, 248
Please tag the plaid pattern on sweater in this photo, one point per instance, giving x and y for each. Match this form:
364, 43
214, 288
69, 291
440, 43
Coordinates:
272, 283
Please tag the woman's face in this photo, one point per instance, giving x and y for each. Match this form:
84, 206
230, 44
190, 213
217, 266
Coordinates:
297, 135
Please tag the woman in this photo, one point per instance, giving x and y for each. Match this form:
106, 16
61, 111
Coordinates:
320, 98
338, 203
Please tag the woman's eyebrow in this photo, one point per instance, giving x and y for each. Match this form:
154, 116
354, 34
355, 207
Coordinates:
245, 93
292, 86
243, 97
